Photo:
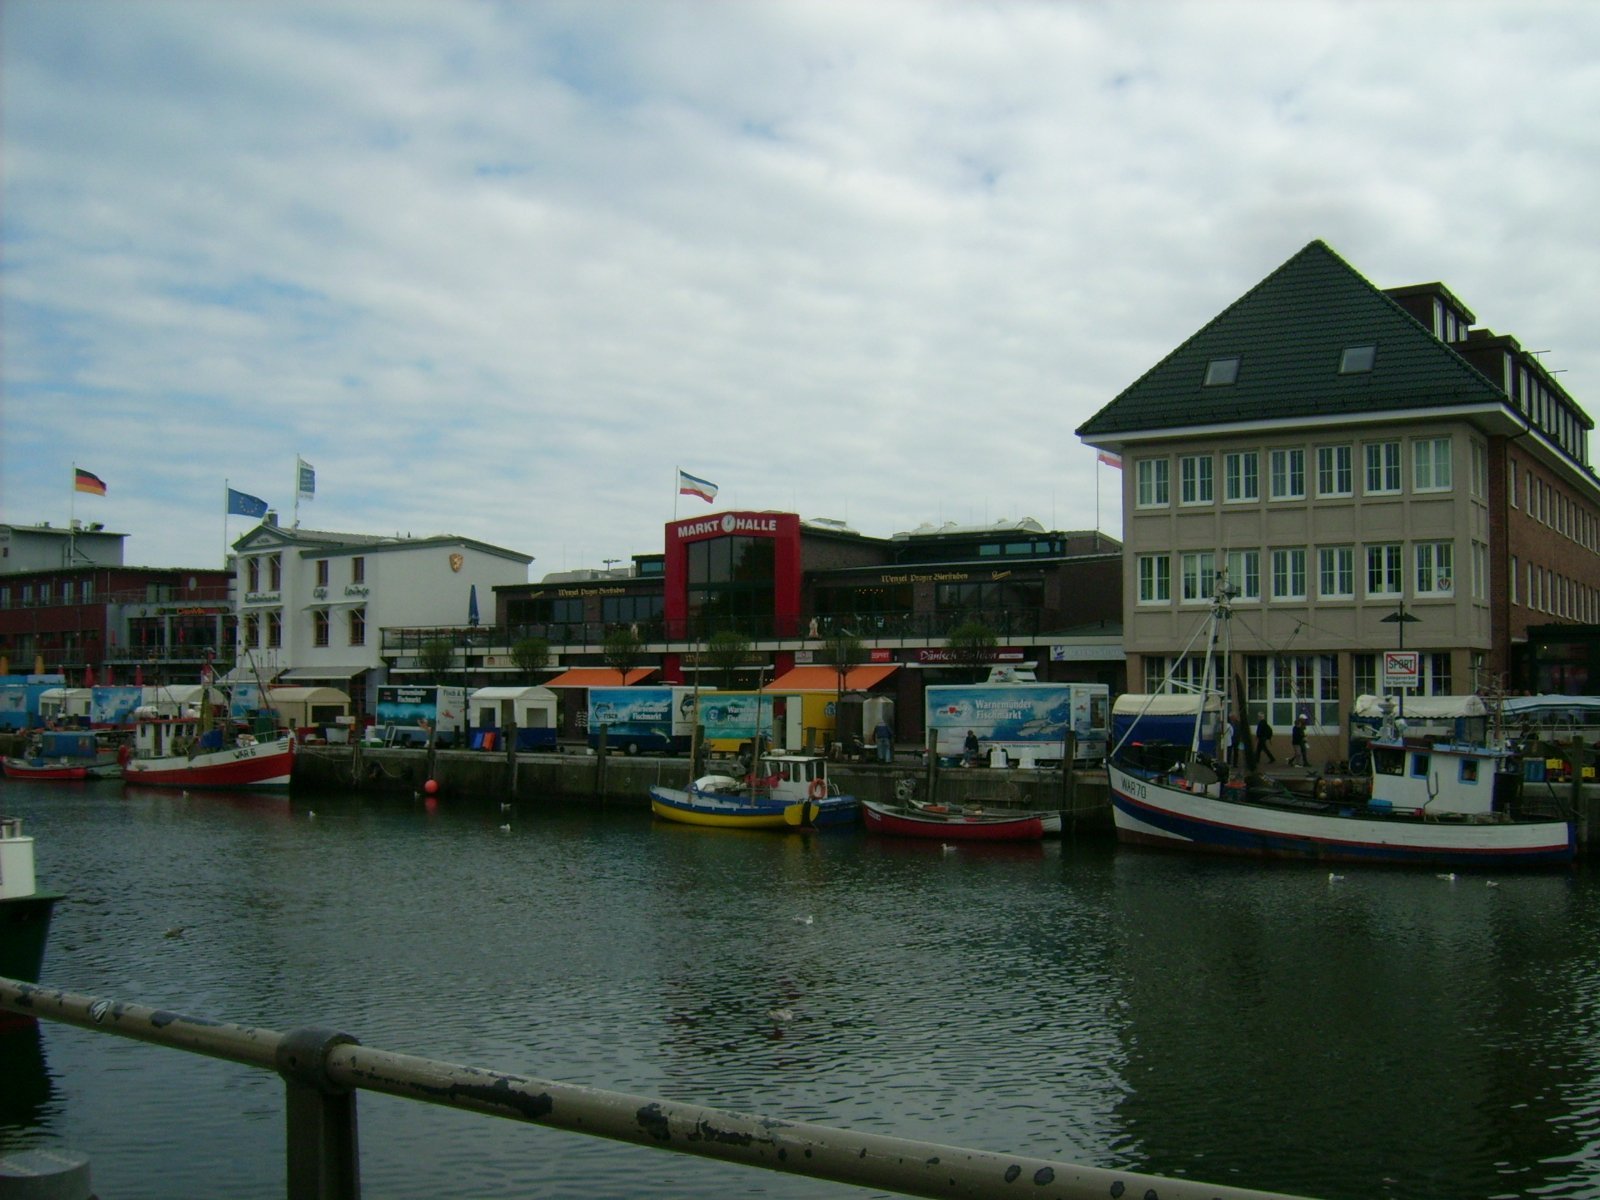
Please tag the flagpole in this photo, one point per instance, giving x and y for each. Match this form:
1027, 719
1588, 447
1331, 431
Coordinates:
225, 489
72, 517
297, 491
677, 477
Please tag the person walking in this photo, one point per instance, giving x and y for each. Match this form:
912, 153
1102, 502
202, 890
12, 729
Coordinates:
1297, 739
884, 736
1264, 741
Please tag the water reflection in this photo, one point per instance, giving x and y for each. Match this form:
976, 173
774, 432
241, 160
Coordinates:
27, 1090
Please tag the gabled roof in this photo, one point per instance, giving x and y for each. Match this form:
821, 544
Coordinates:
1289, 332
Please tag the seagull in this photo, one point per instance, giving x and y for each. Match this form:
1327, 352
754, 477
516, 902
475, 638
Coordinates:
184, 795
311, 814
506, 806
175, 932
1332, 878
1490, 883
781, 1014
1448, 876
505, 829
805, 920
948, 848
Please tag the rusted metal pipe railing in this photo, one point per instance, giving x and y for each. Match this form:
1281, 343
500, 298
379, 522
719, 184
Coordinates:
323, 1069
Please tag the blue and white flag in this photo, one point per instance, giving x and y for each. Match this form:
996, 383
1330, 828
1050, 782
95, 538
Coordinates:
307, 483
689, 485
242, 504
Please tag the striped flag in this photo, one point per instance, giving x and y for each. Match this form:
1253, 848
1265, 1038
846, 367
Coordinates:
690, 485
1110, 459
87, 481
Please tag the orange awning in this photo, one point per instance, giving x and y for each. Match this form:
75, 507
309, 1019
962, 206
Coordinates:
826, 679
598, 677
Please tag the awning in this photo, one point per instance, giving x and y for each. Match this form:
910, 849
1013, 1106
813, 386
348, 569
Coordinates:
312, 674
826, 679
598, 677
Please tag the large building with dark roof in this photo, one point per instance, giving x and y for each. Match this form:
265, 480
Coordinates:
1374, 473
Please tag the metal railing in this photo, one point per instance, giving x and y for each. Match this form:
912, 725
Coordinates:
323, 1070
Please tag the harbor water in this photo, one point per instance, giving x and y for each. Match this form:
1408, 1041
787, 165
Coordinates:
1374, 1033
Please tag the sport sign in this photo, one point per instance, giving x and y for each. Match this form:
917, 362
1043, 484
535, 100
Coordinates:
1400, 668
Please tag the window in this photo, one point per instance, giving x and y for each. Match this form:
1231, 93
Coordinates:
1512, 489
1155, 579
1199, 577
250, 631
1515, 589
1480, 469
1152, 482
1430, 465
275, 572
45, 590
1383, 468
322, 572
1480, 571
1222, 371
1435, 571
1283, 686
1356, 360
1383, 569
274, 630
1364, 674
1336, 572
1289, 574
1334, 471
1195, 482
1241, 477
358, 574
1244, 573
358, 626
252, 572
1288, 474
319, 627
85, 591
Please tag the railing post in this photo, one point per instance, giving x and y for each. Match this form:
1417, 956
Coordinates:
324, 1162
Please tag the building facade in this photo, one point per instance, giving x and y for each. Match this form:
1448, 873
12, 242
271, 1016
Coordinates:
1373, 474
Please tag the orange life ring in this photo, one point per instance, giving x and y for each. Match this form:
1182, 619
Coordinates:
818, 789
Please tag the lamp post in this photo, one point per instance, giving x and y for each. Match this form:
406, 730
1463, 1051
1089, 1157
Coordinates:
1401, 618
610, 562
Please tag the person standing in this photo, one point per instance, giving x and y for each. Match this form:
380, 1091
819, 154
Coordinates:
1297, 739
884, 736
1264, 741
1236, 739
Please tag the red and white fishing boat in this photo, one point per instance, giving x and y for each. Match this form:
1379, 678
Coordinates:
177, 752
957, 824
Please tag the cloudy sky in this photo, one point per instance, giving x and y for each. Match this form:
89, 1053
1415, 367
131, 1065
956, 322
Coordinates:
500, 269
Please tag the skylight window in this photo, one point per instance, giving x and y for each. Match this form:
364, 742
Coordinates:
1357, 359
1220, 371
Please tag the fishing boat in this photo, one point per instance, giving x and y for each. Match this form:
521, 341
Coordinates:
786, 791
183, 752
958, 824
55, 756
24, 911
1430, 801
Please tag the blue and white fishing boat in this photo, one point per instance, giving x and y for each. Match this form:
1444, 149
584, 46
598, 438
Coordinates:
1437, 802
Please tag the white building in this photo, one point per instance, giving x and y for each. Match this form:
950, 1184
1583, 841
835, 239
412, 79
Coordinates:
312, 603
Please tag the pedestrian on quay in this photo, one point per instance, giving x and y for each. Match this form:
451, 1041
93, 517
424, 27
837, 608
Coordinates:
1236, 739
1297, 738
884, 736
970, 749
1264, 741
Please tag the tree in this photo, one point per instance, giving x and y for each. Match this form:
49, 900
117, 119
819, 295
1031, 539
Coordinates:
972, 645
622, 650
844, 651
436, 658
531, 654
727, 651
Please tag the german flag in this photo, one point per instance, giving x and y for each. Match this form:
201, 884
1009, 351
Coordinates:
88, 481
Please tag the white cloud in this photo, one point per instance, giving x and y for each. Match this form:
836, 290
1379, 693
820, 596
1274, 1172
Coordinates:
499, 270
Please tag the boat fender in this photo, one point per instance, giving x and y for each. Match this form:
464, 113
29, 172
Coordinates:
818, 789
1322, 791
124, 753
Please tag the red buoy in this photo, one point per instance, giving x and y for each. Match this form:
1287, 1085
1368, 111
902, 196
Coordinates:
431, 786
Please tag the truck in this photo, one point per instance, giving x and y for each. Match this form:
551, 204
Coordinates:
407, 715
1029, 722
637, 720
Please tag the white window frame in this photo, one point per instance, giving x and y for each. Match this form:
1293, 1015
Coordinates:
1335, 471
1435, 568
1241, 477
1244, 573
1153, 483
1197, 480
1382, 474
1287, 474
1385, 562
1289, 574
1336, 572
1154, 576
1432, 469
1199, 577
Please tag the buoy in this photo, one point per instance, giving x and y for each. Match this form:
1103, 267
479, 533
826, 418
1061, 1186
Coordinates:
431, 787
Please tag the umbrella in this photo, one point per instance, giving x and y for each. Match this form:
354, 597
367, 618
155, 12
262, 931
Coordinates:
472, 607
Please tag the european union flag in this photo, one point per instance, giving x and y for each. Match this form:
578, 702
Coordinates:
242, 504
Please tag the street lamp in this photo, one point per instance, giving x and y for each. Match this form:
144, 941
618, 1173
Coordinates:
1401, 618
610, 562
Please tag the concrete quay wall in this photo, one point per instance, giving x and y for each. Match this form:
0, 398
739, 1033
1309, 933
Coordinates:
618, 779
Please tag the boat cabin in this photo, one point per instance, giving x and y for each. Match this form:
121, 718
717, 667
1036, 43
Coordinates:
1438, 779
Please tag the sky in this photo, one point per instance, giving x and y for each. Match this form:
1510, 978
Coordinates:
500, 270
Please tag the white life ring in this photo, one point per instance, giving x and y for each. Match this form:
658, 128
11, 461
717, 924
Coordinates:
818, 789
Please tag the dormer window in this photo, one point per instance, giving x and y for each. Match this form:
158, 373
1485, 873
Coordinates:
1222, 371
1357, 359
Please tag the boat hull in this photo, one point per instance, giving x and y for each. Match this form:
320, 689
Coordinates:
58, 770
958, 827
24, 929
715, 810
1154, 812
266, 765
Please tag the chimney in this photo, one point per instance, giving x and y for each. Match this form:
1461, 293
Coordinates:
271, 518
